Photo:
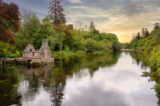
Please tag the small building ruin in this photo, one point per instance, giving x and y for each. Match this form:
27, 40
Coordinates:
44, 53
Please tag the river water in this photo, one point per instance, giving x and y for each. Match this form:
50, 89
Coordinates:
107, 80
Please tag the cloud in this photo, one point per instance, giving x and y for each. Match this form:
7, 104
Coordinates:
75, 1
83, 91
86, 14
123, 17
125, 26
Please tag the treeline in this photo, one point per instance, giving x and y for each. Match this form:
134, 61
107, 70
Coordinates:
149, 51
62, 37
150, 44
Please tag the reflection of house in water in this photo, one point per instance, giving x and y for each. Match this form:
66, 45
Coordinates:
41, 80
43, 53
42, 73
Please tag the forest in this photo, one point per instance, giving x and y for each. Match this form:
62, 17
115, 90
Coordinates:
19, 29
149, 44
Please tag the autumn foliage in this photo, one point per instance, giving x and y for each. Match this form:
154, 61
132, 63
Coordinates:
9, 21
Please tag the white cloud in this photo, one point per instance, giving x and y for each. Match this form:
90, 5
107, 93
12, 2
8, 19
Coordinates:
74, 1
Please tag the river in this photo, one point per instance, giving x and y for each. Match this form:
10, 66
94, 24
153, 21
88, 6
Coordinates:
108, 80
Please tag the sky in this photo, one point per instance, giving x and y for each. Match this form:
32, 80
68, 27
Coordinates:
121, 17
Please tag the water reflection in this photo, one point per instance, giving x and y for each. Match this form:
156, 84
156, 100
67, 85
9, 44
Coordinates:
40, 98
120, 85
100, 80
9, 79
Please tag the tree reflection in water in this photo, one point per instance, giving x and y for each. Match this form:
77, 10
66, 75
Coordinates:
9, 79
142, 57
45, 85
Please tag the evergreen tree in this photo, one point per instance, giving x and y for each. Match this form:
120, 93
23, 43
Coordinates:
145, 32
92, 26
138, 36
56, 12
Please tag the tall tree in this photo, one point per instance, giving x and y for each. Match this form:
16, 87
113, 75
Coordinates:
145, 32
92, 26
138, 36
9, 21
56, 12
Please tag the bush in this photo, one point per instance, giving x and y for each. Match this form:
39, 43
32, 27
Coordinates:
7, 50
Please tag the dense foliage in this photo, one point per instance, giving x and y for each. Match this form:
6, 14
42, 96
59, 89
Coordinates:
9, 21
149, 52
65, 37
6, 50
62, 38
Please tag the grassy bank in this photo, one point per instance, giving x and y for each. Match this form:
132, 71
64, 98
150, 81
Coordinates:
70, 54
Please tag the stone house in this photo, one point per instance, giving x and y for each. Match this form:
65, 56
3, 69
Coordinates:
43, 53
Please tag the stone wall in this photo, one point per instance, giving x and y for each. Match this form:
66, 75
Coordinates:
43, 53
32, 55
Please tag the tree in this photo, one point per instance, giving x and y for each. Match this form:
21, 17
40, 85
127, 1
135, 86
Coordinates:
156, 26
9, 21
26, 16
30, 32
138, 36
92, 26
145, 32
56, 12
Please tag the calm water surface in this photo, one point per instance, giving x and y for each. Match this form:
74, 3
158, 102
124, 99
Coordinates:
103, 81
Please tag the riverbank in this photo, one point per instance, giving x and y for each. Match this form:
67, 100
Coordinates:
65, 55
25, 61
69, 54
131, 50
